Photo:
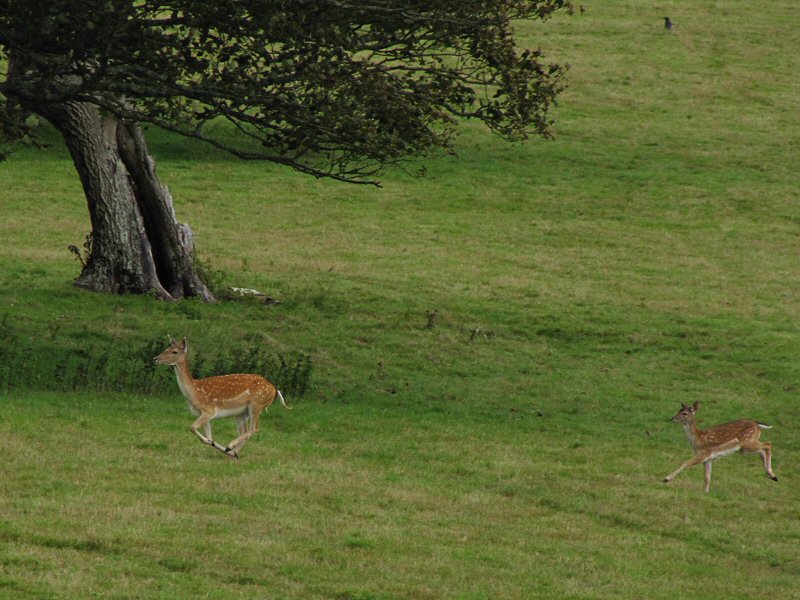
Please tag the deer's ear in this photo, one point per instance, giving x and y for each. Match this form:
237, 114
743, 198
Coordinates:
695, 406
184, 345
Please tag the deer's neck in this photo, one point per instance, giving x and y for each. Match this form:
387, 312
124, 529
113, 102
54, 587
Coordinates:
186, 383
693, 434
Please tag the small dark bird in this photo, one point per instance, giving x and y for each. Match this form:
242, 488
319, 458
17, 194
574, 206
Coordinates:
667, 24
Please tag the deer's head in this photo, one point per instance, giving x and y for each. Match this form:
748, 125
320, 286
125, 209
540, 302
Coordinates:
686, 413
175, 353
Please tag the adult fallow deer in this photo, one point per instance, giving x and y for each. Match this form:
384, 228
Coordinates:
721, 440
240, 396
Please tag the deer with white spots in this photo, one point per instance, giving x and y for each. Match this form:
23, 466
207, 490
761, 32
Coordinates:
721, 440
240, 396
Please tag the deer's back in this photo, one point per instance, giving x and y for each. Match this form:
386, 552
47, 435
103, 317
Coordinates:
227, 387
742, 430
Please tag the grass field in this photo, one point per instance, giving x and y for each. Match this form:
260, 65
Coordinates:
498, 348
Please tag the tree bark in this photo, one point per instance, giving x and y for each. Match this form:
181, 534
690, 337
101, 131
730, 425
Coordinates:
137, 244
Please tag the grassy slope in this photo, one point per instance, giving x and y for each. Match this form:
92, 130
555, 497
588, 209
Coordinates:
646, 257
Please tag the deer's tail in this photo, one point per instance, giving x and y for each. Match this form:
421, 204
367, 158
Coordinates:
280, 397
764, 426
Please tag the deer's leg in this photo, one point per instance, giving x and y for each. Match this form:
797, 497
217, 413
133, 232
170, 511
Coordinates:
242, 425
707, 465
765, 450
689, 463
766, 455
204, 421
242, 422
253, 414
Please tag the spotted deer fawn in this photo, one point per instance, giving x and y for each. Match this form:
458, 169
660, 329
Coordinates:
240, 396
719, 441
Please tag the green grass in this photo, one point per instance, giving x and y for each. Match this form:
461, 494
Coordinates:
510, 445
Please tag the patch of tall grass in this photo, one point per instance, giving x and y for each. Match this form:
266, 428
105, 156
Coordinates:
85, 361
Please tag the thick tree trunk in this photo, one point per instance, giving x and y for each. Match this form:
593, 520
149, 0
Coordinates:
137, 245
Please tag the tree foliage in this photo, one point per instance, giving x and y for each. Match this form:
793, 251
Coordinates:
336, 88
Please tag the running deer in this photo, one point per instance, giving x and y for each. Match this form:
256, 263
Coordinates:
240, 396
719, 441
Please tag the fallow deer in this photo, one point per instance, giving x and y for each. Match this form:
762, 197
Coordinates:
240, 396
721, 440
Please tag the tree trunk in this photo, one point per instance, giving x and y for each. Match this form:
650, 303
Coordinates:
137, 245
